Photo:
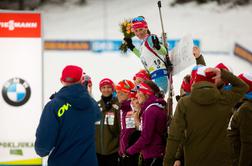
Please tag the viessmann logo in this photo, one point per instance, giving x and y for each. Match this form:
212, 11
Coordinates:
12, 24
16, 92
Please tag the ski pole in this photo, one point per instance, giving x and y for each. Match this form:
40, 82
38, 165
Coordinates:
169, 68
164, 38
162, 25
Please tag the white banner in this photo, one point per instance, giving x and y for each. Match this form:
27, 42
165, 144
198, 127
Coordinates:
182, 55
21, 86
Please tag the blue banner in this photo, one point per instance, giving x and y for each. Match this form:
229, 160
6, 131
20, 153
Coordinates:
113, 45
98, 45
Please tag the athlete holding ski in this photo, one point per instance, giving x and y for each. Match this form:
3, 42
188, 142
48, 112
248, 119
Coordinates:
151, 52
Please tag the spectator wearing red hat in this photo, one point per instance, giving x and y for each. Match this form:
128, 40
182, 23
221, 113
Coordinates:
185, 90
239, 130
66, 130
151, 143
185, 87
108, 129
247, 78
71, 74
203, 74
152, 52
140, 76
123, 89
201, 120
221, 84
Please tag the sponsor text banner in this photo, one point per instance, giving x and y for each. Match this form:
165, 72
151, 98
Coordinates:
27, 25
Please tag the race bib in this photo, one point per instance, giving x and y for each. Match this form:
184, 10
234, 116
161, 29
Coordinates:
109, 118
129, 119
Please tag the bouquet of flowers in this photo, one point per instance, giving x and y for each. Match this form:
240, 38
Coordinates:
125, 27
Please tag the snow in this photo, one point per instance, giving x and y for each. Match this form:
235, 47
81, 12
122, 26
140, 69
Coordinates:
218, 28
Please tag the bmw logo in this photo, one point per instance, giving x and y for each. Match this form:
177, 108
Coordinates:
16, 92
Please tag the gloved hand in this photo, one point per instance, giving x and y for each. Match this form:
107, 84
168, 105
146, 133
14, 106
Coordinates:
155, 42
129, 43
177, 98
196, 52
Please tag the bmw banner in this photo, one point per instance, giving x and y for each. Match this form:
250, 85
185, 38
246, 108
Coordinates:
21, 87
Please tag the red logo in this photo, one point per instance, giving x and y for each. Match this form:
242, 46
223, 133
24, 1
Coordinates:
20, 25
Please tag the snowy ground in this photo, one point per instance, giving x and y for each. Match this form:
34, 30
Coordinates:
218, 28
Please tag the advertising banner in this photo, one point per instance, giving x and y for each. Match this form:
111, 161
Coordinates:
98, 46
21, 87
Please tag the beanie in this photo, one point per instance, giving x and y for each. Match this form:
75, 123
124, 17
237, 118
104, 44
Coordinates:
133, 94
201, 75
222, 66
145, 89
247, 78
194, 72
106, 81
186, 85
142, 74
71, 74
125, 86
139, 22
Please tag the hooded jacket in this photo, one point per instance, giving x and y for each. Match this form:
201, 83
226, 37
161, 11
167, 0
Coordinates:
108, 129
66, 129
240, 133
154, 120
200, 123
127, 126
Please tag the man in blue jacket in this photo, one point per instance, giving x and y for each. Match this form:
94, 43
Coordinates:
66, 129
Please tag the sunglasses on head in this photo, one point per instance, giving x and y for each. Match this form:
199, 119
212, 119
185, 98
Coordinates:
137, 19
141, 87
134, 90
126, 84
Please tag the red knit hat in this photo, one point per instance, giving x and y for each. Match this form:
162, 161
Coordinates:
125, 86
139, 22
186, 85
247, 77
201, 75
145, 89
194, 72
71, 74
106, 81
133, 94
222, 66
142, 74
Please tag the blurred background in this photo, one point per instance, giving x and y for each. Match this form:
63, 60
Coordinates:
87, 33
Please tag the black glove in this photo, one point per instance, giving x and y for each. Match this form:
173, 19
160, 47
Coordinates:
177, 98
155, 42
129, 43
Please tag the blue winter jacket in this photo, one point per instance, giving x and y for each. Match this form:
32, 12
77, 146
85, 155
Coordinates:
66, 129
